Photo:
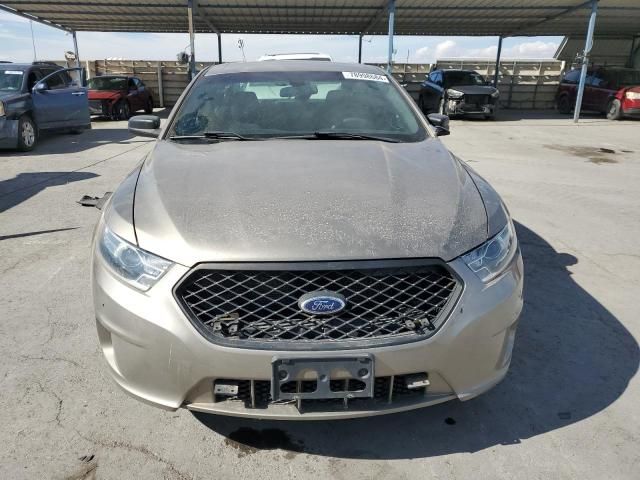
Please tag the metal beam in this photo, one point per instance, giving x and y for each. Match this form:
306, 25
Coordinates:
35, 18
360, 48
219, 47
192, 37
392, 14
496, 73
585, 59
75, 49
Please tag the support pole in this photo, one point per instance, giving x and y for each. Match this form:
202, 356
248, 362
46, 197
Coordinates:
219, 48
496, 73
160, 86
392, 14
585, 59
75, 49
192, 60
360, 48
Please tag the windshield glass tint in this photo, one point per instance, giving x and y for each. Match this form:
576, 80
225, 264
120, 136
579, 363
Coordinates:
113, 83
277, 104
453, 79
11, 80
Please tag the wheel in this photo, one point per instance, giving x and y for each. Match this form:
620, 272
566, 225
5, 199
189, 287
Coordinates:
490, 116
122, 110
148, 109
614, 109
27, 134
564, 105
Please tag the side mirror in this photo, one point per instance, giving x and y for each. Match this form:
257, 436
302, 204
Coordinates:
145, 125
440, 123
40, 87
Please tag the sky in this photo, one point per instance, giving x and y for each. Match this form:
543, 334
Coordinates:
50, 43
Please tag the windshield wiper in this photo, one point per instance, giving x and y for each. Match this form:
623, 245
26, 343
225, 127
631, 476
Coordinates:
337, 136
213, 136
351, 136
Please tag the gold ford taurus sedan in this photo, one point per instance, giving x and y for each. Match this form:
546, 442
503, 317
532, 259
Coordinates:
300, 245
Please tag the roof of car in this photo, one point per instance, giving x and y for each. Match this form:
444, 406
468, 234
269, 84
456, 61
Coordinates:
292, 66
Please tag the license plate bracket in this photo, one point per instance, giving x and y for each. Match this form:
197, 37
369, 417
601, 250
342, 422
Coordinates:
291, 369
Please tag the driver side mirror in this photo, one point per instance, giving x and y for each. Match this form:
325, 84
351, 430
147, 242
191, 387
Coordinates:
145, 125
440, 123
40, 87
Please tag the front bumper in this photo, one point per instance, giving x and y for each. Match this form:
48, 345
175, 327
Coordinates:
155, 354
462, 107
8, 133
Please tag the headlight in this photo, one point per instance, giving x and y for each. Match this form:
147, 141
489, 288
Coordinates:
2, 111
135, 266
491, 258
495, 94
451, 93
629, 95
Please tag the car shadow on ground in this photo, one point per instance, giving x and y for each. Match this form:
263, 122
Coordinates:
25, 185
572, 359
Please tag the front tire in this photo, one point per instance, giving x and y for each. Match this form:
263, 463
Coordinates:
122, 110
148, 109
614, 109
27, 134
564, 105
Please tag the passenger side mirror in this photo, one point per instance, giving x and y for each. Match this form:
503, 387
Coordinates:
145, 125
440, 123
40, 87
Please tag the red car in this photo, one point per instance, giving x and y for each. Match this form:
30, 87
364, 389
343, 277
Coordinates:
614, 91
117, 96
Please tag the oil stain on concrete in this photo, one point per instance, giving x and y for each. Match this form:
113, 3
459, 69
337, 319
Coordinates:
597, 155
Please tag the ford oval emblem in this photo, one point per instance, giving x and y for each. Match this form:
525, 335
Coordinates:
322, 303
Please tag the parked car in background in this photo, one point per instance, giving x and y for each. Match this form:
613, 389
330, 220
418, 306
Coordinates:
322, 57
300, 244
458, 92
40, 96
609, 90
118, 96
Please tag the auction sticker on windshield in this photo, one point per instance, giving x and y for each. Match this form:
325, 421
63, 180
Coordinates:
12, 72
372, 77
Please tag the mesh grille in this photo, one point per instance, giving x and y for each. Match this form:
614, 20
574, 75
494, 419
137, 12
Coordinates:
477, 99
253, 307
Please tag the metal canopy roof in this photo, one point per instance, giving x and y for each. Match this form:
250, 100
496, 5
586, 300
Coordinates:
412, 17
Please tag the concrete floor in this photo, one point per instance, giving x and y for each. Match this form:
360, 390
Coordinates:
569, 408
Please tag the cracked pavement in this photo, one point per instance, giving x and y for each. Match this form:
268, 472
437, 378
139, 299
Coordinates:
569, 408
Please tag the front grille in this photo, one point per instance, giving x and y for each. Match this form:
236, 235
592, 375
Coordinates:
477, 99
259, 308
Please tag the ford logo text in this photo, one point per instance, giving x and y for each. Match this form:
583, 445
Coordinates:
322, 303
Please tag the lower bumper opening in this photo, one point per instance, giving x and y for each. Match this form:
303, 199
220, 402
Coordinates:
388, 390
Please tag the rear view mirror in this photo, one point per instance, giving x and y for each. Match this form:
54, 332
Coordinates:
40, 87
145, 125
440, 123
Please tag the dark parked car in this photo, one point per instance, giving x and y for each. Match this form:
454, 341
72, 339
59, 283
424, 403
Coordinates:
117, 96
614, 91
39, 96
458, 92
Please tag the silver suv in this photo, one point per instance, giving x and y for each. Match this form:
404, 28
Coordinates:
299, 244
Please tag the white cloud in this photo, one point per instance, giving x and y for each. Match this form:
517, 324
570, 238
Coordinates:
537, 49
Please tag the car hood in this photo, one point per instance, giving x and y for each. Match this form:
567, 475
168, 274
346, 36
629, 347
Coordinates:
475, 89
104, 94
296, 200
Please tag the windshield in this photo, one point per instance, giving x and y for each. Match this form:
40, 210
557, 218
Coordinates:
452, 79
11, 80
291, 104
107, 83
